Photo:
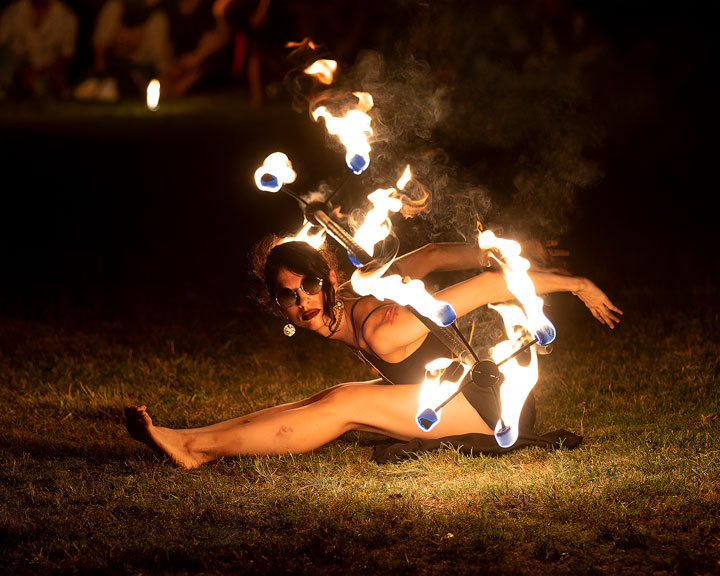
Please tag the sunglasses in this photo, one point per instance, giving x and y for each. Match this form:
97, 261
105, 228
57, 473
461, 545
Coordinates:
286, 298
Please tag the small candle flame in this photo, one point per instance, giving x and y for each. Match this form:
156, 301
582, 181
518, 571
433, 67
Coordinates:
275, 171
152, 95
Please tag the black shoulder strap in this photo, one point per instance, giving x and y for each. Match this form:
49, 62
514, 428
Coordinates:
362, 326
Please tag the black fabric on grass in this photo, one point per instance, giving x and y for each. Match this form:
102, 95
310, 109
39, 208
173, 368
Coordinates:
472, 445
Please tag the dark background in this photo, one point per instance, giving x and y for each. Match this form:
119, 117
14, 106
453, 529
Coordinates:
107, 205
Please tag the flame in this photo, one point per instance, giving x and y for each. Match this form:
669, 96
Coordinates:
404, 179
435, 390
323, 70
152, 95
275, 171
519, 379
377, 225
515, 269
404, 291
304, 43
316, 240
353, 129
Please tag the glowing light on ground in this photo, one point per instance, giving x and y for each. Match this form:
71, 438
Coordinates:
152, 95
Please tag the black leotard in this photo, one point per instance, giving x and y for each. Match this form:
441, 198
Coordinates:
411, 370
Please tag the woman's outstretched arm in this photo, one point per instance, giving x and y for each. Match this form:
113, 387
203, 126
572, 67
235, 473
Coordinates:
490, 287
395, 334
449, 256
440, 257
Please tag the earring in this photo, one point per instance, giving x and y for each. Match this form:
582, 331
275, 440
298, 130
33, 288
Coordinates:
289, 329
339, 304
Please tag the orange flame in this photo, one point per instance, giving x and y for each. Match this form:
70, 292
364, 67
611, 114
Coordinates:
404, 179
376, 227
435, 389
316, 239
519, 379
353, 129
515, 269
323, 70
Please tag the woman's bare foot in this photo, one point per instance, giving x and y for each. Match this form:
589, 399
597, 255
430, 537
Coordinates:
163, 440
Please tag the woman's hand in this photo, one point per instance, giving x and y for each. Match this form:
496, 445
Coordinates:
598, 303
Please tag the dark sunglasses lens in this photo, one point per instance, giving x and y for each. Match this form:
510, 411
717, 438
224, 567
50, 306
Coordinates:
286, 297
311, 285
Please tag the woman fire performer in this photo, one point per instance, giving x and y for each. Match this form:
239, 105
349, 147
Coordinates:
302, 285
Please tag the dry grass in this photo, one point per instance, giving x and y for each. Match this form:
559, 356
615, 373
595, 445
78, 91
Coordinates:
640, 496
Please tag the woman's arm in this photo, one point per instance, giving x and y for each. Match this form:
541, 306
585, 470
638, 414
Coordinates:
490, 287
397, 332
440, 257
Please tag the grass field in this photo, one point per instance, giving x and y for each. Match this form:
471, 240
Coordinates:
639, 496
100, 193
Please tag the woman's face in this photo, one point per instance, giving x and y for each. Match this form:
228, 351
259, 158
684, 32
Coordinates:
308, 310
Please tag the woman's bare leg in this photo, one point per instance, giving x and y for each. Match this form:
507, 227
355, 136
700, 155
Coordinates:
281, 407
388, 410
166, 440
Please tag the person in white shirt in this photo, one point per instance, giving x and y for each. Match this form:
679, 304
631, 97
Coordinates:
130, 46
37, 45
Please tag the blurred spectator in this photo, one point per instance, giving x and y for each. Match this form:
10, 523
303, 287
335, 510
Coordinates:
130, 46
37, 45
247, 19
200, 40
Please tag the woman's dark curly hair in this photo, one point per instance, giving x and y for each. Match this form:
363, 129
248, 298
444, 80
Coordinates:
272, 253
